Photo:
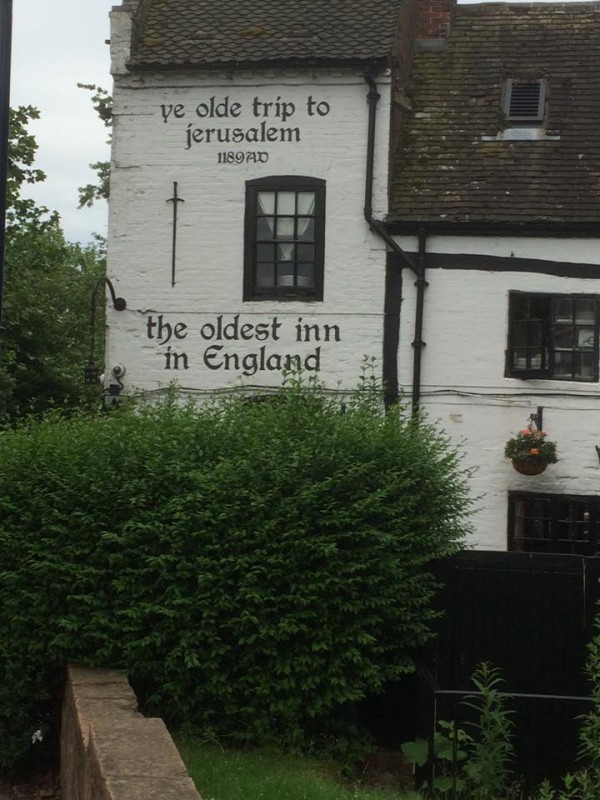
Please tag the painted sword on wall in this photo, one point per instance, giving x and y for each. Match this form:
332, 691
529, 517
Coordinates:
175, 200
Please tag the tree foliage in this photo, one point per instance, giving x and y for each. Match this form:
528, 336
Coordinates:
91, 192
48, 284
21, 157
257, 568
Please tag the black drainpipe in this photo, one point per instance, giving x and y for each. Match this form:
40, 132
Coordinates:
378, 227
418, 343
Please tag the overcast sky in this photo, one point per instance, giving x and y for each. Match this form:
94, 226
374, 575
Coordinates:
56, 44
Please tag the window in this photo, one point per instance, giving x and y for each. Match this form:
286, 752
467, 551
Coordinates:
284, 238
544, 523
553, 336
524, 101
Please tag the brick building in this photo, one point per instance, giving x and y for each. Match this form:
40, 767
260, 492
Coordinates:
314, 182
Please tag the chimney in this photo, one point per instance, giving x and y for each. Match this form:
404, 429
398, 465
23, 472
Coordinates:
435, 19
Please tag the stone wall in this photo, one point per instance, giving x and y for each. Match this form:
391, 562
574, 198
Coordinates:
109, 751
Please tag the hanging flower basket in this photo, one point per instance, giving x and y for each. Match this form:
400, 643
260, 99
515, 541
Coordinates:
529, 451
530, 467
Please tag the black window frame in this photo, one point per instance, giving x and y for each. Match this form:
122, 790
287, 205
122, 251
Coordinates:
283, 183
552, 523
511, 103
534, 340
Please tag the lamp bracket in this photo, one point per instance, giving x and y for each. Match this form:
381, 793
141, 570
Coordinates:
537, 418
119, 303
91, 372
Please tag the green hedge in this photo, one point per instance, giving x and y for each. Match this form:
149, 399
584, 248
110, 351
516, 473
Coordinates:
255, 567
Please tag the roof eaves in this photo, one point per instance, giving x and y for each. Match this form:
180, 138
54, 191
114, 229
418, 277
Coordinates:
380, 63
483, 227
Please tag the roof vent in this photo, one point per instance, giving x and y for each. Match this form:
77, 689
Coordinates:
524, 101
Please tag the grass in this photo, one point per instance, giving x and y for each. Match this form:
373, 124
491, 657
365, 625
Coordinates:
266, 775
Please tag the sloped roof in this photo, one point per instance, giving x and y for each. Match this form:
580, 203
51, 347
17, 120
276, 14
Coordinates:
181, 33
448, 165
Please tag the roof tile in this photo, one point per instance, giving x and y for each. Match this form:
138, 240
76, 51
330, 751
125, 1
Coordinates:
448, 167
182, 33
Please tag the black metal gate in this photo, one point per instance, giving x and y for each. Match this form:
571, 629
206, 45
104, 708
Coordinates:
530, 615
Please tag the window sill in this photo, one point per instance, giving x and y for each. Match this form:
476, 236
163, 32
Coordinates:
551, 379
284, 297
531, 134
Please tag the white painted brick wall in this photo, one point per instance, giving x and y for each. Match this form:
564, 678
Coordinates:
463, 384
149, 154
466, 312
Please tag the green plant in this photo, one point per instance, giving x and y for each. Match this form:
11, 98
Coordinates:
575, 786
531, 446
491, 750
450, 754
257, 568
589, 734
478, 767
472, 766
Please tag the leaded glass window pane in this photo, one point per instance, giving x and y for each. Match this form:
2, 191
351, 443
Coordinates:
265, 274
266, 203
554, 523
306, 203
286, 203
553, 336
287, 226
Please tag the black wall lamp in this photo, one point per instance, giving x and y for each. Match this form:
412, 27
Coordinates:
91, 373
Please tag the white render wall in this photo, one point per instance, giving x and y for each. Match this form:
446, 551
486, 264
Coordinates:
463, 385
466, 312
324, 114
